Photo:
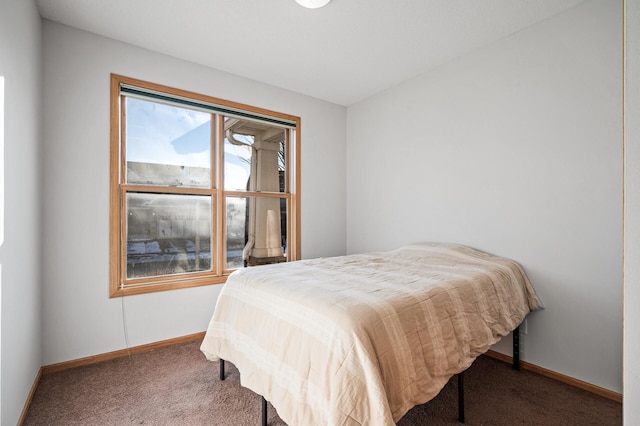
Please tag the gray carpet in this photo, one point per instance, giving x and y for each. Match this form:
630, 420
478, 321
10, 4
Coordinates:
177, 386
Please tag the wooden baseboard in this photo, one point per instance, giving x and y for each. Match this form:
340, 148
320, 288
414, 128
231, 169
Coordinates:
119, 354
27, 403
606, 393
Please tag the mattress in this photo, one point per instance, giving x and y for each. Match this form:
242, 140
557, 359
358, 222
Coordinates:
361, 339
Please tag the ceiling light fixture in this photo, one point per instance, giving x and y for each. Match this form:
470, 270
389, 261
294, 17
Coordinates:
312, 4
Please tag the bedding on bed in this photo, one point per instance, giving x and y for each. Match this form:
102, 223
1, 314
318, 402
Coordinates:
361, 339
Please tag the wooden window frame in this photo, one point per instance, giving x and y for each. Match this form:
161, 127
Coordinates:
118, 285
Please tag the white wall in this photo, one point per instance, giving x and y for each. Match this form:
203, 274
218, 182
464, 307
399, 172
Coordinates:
20, 65
632, 214
514, 149
79, 318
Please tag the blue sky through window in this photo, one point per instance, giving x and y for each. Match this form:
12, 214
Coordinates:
172, 135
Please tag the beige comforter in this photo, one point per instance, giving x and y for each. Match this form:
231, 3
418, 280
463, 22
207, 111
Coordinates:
361, 339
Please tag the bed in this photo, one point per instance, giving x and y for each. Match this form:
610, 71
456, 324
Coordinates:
361, 339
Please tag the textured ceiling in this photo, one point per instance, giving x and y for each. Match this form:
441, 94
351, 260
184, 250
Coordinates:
342, 53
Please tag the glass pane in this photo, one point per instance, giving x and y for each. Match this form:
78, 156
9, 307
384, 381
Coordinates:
167, 145
257, 226
254, 156
167, 234
236, 231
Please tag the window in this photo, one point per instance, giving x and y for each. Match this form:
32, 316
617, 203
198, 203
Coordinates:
199, 187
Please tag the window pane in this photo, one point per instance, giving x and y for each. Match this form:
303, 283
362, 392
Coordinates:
257, 225
237, 163
236, 231
254, 156
167, 145
167, 234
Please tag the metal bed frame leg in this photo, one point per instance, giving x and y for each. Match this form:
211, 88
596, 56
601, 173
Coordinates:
264, 401
516, 366
516, 348
264, 411
461, 397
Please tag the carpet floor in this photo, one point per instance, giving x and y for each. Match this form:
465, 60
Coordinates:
177, 386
